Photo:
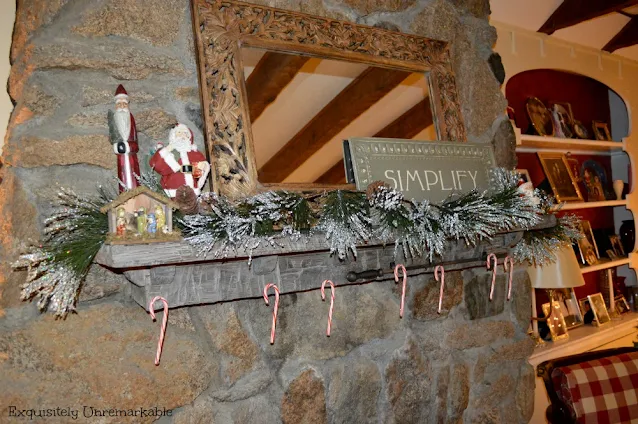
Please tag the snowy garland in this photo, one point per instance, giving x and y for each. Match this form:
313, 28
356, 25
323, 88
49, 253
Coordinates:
76, 231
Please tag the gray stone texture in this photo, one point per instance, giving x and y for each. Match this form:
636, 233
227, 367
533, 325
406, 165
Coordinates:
467, 364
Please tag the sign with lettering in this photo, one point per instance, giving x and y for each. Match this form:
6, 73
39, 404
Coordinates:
422, 170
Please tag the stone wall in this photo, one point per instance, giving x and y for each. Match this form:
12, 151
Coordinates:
465, 365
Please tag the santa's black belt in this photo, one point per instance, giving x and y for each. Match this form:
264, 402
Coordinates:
187, 169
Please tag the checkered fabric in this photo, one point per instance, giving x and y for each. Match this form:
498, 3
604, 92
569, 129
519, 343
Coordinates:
600, 391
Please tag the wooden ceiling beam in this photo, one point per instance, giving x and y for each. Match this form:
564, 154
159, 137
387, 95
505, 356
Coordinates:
363, 92
406, 126
271, 75
573, 12
628, 36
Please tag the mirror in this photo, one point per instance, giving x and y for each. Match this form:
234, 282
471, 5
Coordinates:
302, 108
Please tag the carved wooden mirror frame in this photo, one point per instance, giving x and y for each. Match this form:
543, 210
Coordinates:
223, 27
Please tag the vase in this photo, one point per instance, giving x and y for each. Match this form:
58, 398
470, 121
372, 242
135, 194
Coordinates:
627, 234
619, 185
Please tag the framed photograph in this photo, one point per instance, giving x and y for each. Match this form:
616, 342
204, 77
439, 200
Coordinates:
562, 121
622, 307
599, 308
566, 299
556, 322
539, 116
616, 245
587, 244
611, 254
523, 175
560, 176
601, 130
595, 179
587, 311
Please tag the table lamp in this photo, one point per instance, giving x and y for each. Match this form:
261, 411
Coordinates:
564, 273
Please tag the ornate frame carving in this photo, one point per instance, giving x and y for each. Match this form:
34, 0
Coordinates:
223, 26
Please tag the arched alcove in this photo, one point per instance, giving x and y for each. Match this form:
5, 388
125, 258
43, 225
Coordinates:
590, 100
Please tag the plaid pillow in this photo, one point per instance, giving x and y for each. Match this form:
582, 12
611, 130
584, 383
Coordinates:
600, 391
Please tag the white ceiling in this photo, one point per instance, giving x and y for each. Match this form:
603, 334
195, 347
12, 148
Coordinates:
532, 14
316, 84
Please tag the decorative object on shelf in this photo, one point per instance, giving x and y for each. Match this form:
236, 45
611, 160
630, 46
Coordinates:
437, 269
560, 176
275, 309
123, 136
492, 262
588, 313
595, 179
523, 175
574, 166
332, 301
561, 121
587, 244
404, 273
627, 233
605, 282
616, 245
611, 254
151, 309
540, 117
569, 306
555, 321
180, 163
142, 206
580, 130
77, 229
597, 303
564, 273
619, 186
622, 307
601, 130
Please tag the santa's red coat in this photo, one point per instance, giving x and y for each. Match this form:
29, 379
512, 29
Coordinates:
169, 167
128, 167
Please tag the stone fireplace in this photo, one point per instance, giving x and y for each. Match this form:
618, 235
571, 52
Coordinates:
467, 364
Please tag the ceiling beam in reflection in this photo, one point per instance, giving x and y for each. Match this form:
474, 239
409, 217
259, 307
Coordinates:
406, 126
363, 92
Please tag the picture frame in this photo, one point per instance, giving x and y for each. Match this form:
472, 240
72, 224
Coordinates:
611, 254
587, 244
599, 308
616, 245
568, 302
556, 322
601, 130
588, 314
560, 177
562, 121
622, 307
523, 175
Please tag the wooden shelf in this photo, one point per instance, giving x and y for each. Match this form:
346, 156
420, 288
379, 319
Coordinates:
588, 205
604, 265
567, 144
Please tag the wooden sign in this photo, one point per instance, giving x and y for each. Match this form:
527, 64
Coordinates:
422, 170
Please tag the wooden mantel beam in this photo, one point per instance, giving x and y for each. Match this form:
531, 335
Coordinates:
628, 36
572, 12
406, 126
271, 75
363, 92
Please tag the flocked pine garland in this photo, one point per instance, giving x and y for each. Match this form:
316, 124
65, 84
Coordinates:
76, 231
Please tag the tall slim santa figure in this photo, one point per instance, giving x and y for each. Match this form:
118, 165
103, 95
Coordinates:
123, 136
180, 163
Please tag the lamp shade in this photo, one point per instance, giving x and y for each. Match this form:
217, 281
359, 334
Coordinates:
562, 274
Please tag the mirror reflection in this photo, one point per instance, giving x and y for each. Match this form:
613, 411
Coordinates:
302, 108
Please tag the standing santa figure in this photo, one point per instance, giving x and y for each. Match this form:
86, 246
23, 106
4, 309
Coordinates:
180, 163
123, 136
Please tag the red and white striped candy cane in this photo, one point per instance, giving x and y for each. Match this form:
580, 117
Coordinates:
405, 280
332, 302
492, 256
436, 277
511, 270
275, 309
164, 322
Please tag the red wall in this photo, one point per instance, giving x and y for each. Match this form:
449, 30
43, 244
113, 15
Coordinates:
589, 98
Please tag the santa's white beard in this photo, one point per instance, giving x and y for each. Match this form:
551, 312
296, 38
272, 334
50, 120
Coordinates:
181, 144
123, 123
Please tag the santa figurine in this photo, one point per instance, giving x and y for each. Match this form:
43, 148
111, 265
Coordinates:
123, 135
180, 163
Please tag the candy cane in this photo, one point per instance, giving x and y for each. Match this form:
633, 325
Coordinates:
436, 277
275, 309
332, 302
511, 270
405, 280
164, 322
492, 256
